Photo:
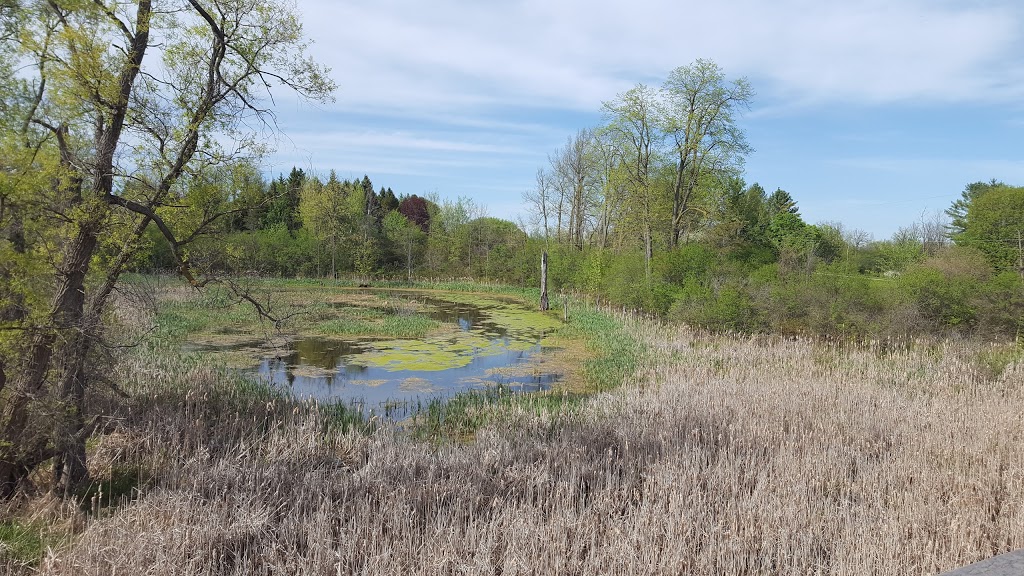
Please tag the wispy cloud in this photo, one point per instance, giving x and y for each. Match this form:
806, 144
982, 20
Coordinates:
370, 140
456, 54
469, 97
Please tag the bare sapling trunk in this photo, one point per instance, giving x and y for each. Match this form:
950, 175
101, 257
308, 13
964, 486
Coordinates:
408, 259
544, 305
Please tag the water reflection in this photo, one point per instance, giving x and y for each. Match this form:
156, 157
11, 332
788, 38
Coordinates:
322, 353
335, 369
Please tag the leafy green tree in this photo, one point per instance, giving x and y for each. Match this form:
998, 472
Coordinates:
388, 200
367, 256
272, 251
493, 242
371, 202
737, 211
246, 195
284, 201
995, 225
362, 211
958, 211
944, 301
900, 252
793, 240
407, 238
829, 244
633, 128
780, 201
92, 109
1001, 305
448, 243
325, 212
699, 116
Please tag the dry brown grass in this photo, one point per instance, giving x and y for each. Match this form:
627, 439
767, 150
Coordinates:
725, 455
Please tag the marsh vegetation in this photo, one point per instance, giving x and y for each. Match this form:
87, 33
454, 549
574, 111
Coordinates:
376, 350
718, 454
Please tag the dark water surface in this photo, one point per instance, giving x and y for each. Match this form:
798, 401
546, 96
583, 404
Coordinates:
400, 374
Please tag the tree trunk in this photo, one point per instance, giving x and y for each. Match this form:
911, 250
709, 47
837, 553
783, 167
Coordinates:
26, 444
678, 206
69, 469
648, 252
544, 281
408, 259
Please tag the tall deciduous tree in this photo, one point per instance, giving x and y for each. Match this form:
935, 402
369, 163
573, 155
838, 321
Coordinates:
540, 203
406, 236
116, 103
577, 174
323, 209
995, 226
632, 124
699, 118
416, 210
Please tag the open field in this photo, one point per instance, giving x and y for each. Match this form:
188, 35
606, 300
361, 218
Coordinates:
722, 455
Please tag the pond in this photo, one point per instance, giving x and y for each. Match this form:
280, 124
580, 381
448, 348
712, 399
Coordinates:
484, 342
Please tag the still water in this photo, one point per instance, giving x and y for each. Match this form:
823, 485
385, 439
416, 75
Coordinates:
490, 343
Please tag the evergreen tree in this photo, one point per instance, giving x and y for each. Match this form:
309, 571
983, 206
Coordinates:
958, 211
388, 201
284, 197
780, 201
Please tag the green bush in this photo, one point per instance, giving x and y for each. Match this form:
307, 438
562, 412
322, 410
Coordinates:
688, 262
944, 301
1000, 306
827, 302
727, 308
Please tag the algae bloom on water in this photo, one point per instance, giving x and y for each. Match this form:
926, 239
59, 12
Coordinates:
481, 342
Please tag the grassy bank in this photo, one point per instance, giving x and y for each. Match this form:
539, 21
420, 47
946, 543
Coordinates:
601, 355
307, 307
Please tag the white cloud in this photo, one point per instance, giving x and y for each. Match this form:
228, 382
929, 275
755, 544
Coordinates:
401, 140
461, 55
468, 97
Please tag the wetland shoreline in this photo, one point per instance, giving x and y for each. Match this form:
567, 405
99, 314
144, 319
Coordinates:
373, 347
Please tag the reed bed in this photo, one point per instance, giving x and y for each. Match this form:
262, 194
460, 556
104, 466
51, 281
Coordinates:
722, 455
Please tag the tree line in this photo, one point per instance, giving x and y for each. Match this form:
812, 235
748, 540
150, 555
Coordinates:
320, 226
648, 210
651, 209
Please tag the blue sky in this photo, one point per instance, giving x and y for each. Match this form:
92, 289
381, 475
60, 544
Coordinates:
869, 112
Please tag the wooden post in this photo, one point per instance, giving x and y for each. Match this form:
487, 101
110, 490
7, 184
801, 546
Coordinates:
544, 281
